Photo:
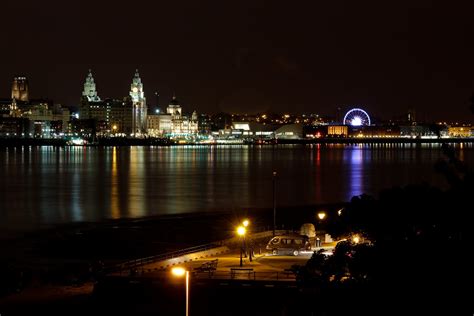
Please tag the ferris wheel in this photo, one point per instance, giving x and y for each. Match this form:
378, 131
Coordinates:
356, 117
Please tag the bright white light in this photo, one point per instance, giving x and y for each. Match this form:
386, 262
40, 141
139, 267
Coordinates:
356, 121
178, 271
356, 117
241, 230
76, 141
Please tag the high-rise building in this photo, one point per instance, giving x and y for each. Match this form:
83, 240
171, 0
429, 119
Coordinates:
20, 89
138, 99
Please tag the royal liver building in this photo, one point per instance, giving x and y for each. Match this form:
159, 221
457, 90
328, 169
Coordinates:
117, 117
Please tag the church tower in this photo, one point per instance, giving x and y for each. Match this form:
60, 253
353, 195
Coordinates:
20, 89
137, 96
90, 91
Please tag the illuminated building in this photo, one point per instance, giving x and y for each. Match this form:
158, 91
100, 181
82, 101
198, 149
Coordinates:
111, 116
173, 123
46, 121
289, 131
32, 117
338, 130
460, 131
254, 130
137, 96
90, 92
20, 89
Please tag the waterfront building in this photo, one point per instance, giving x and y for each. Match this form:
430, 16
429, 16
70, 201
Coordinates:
159, 125
90, 91
417, 131
460, 131
254, 130
13, 127
31, 117
46, 121
290, 131
138, 101
112, 116
338, 130
173, 123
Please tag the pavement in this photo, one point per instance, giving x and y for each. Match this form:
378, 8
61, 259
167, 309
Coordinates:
262, 266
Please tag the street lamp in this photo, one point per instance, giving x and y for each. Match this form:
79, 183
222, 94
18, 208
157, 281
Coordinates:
274, 201
321, 217
241, 232
179, 272
246, 223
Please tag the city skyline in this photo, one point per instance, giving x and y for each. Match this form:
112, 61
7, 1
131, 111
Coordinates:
335, 114
252, 56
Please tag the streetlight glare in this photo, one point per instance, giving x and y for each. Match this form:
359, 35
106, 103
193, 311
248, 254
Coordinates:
178, 271
321, 215
246, 223
241, 230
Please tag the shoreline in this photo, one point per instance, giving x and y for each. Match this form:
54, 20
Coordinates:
115, 240
255, 212
105, 142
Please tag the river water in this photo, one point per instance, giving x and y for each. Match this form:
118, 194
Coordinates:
41, 186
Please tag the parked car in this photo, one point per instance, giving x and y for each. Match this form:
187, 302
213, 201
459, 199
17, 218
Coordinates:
288, 244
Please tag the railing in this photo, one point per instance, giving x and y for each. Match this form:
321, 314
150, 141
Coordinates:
247, 275
132, 265
140, 262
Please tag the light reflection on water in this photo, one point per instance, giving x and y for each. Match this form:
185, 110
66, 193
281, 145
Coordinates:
44, 185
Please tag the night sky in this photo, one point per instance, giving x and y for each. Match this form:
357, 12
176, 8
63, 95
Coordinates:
239, 56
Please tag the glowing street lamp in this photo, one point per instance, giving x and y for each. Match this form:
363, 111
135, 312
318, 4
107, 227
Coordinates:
246, 223
321, 215
179, 272
241, 232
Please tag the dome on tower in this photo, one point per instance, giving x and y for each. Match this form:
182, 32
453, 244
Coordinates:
174, 101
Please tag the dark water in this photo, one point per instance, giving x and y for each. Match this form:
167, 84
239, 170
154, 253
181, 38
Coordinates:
46, 185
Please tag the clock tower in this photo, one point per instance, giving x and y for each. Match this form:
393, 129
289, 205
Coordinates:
90, 91
137, 96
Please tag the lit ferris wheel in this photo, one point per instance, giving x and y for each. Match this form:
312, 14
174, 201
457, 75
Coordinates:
356, 117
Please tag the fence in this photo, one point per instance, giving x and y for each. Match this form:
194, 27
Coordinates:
136, 263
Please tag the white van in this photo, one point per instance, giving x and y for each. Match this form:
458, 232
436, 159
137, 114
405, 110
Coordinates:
288, 244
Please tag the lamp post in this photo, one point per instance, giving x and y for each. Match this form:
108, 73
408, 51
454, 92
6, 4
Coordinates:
241, 232
274, 201
179, 272
247, 248
321, 217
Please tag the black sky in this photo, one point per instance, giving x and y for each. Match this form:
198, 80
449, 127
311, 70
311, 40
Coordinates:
295, 56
